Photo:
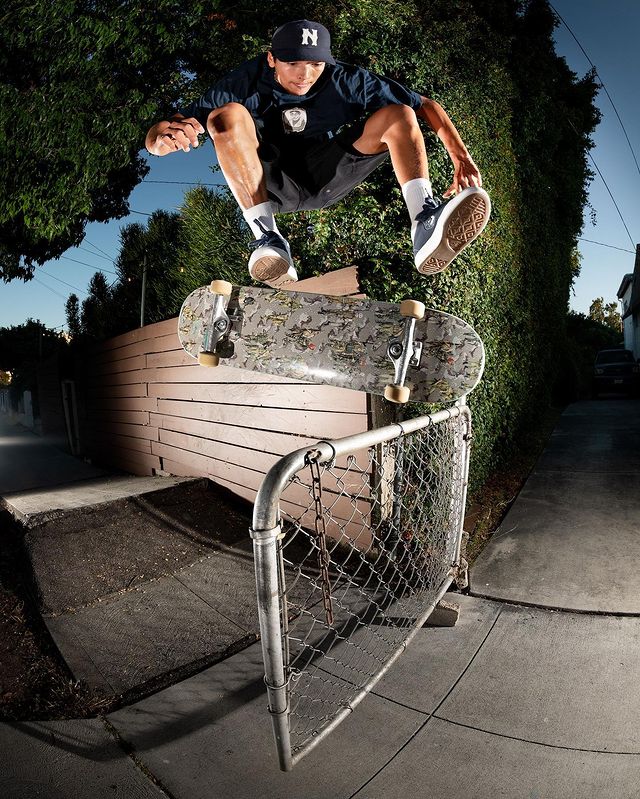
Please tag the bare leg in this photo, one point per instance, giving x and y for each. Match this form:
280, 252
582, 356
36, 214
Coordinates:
439, 231
395, 128
233, 132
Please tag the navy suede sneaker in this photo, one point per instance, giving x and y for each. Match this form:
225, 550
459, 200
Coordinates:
271, 261
445, 229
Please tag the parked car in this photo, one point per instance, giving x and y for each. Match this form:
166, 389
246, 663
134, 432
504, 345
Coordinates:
615, 370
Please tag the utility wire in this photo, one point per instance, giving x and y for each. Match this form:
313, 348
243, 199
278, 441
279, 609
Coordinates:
610, 246
49, 287
98, 249
91, 266
184, 183
613, 199
601, 84
75, 288
95, 254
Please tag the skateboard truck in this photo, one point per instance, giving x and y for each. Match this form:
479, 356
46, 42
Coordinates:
219, 323
405, 351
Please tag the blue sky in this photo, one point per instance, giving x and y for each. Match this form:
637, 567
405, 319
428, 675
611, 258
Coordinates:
608, 32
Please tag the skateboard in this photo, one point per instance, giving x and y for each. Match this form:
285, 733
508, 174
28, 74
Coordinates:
404, 351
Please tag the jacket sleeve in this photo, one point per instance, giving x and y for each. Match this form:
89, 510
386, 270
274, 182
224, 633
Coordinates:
234, 87
380, 92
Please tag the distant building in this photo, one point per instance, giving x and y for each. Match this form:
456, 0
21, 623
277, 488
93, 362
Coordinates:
629, 295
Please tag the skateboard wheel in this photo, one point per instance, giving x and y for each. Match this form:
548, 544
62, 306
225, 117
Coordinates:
397, 394
221, 287
208, 359
412, 308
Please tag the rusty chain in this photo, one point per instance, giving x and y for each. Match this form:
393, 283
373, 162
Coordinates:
324, 559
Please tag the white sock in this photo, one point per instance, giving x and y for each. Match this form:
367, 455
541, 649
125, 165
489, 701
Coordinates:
263, 214
415, 192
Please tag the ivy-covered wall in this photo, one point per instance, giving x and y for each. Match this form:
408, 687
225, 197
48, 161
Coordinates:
526, 119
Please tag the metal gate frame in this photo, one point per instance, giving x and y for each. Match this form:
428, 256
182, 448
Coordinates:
267, 533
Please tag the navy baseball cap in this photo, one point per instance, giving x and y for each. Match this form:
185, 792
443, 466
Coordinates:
302, 40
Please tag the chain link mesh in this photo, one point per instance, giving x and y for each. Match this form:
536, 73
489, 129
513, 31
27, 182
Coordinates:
370, 540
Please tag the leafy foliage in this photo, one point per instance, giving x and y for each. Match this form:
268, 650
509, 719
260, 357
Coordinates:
96, 309
30, 341
81, 81
153, 247
109, 310
608, 314
21, 348
72, 311
214, 242
526, 118
585, 337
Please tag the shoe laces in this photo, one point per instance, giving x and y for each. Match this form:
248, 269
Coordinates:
430, 206
269, 238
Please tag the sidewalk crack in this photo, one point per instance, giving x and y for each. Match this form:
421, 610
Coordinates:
131, 753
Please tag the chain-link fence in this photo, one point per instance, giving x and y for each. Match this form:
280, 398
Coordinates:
355, 542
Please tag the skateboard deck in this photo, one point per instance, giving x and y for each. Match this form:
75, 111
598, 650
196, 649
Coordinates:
349, 342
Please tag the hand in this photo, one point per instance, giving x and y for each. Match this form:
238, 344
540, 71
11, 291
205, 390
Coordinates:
466, 174
177, 134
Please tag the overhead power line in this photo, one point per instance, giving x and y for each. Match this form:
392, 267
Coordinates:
49, 287
95, 254
98, 249
53, 277
91, 266
584, 52
610, 246
613, 199
184, 183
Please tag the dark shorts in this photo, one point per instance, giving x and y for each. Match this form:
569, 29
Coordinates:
315, 175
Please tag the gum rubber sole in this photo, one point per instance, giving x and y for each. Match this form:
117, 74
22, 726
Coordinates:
465, 224
269, 268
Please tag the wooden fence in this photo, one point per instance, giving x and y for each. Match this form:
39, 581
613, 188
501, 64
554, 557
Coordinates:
147, 407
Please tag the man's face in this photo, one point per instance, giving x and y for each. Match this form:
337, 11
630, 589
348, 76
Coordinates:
296, 77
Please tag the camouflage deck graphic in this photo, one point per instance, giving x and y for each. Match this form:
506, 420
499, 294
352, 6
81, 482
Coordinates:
340, 341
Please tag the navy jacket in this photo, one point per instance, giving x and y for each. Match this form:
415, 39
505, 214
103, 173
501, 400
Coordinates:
343, 94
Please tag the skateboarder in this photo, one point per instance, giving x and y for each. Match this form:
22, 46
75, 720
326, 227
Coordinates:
294, 129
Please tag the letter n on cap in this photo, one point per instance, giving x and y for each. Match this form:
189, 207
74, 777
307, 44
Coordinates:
310, 36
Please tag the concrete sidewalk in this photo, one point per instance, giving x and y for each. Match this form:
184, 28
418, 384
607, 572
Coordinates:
515, 701
137, 584
38, 479
572, 538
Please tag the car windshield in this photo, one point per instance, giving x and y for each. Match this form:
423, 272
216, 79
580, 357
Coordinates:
615, 356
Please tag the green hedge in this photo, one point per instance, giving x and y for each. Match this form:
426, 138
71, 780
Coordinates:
525, 118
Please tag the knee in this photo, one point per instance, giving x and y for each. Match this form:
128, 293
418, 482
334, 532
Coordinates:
228, 119
397, 119
394, 123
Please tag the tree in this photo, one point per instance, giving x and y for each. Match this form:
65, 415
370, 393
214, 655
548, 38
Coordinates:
31, 341
95, 318
154, 247
214, 241
585, 337
82, 80
606, 314
110, 310
72, 312
527, 120
596, 310
22, 347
